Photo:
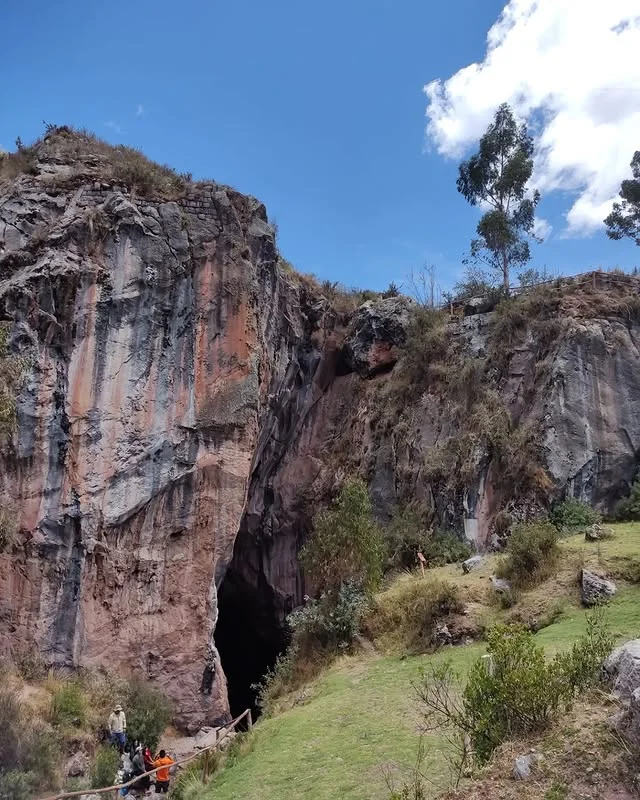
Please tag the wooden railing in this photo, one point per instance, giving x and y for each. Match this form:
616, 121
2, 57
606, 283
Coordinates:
205, 750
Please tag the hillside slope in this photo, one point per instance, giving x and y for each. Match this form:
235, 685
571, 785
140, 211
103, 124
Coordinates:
360, 721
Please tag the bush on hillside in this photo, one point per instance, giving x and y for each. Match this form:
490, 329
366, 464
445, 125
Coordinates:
329, 623
105, 767
16, 785
407, 534
345, 545
573, 515
407, 614
148, 713
69, 706
319, 630
531, 554
513, 692
628, 509
28, 750
426, 344
445, 547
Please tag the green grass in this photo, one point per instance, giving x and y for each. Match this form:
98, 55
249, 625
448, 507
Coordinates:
360, 717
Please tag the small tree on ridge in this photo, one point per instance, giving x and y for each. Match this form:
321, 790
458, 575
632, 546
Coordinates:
497, 176
624, 220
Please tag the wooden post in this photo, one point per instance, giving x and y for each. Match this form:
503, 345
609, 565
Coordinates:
422, 561
249, 721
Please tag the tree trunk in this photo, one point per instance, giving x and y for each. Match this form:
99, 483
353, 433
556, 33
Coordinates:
505, 273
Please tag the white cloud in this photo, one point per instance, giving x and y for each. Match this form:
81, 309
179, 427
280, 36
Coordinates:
571, 67
542, 228
115, 126
140, 110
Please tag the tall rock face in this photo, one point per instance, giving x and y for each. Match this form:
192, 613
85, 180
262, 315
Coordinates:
153, 331
187, 404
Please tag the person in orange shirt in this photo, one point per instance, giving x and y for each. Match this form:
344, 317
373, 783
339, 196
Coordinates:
162, 775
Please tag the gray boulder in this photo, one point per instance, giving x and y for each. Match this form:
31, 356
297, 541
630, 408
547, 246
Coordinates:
633, 730
622, 669
525, 765
595, 533
77, 765
596, 589
500, 585
471, 563
441, 635
379, 328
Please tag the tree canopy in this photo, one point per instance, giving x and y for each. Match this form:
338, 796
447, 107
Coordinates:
624, 220
496, 177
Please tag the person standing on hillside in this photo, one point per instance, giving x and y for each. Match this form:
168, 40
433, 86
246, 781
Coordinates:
118, 727
162, 775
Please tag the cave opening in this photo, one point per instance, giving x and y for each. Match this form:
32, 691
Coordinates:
249, 637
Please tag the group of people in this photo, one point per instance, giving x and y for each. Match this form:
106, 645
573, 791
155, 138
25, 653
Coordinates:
137, 757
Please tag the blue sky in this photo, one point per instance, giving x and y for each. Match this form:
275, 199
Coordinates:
317, 109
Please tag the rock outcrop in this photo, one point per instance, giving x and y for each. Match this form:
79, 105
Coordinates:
595, 589
187, 404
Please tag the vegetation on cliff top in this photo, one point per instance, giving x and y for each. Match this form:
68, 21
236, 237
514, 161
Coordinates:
83, 155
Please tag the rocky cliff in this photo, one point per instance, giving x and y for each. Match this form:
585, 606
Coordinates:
187, 402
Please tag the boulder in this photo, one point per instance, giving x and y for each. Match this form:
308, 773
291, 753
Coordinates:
479, 305
595, 533
500, 585
596, 589
525, 765
441, 635
379, 328
471, 563
633, 729
622, 669
77, 765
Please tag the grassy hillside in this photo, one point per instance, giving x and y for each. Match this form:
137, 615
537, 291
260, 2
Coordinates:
360, 720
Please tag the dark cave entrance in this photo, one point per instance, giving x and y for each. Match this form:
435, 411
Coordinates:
249, 638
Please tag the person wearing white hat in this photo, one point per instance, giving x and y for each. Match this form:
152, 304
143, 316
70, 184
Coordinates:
118, 727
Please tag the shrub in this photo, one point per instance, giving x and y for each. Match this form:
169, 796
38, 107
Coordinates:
105, 767
69, 706
331, 622
445, 547
345, 544
8, 525
531, 553
514, 690
628, 509
407, 534
517, 695
26, 746
404, 536
581, 665
16, 785
573, 514
426, 344
407, 613
148, 713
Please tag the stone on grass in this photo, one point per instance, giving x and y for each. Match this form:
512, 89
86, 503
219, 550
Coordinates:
622, 669
596, 533
471, 563
525, 765
596, 589
501, 585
